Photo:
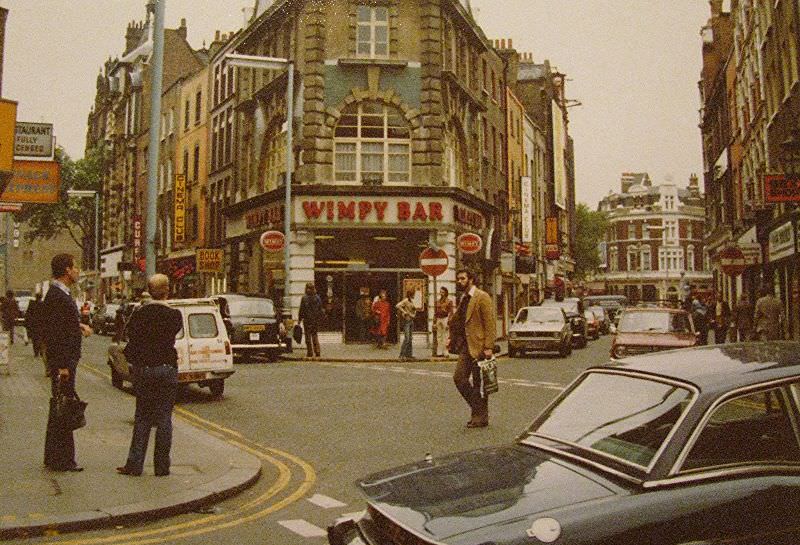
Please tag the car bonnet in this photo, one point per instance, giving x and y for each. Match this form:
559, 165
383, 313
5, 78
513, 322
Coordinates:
472, 490
655, 339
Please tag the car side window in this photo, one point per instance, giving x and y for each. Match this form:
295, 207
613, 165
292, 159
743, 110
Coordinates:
523, 316
203, 326
751, 429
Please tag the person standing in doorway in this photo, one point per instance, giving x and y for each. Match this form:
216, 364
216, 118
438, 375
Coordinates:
406, 311
363, 312
443, 312
743, 318
722, 316
151, 351
61, 335
472, 336
380, 309
768, 316
311, 317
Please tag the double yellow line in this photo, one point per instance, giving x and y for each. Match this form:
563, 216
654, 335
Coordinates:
276, 497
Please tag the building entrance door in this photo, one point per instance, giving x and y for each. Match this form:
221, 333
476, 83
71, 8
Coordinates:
369, 283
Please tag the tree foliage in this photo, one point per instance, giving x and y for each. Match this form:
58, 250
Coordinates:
74, 216
590, 230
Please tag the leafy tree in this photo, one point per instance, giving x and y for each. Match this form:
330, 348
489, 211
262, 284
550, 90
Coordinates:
591, 227
71, 215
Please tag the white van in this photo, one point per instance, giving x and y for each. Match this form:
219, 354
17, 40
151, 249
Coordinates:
204, 350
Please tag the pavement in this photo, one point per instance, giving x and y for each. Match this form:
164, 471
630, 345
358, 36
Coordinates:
36, 501
337, 352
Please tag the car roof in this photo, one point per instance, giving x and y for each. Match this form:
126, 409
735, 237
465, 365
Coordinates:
721, 367
191, 302
654, 309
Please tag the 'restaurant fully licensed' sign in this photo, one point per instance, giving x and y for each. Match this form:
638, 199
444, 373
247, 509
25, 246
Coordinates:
33, 139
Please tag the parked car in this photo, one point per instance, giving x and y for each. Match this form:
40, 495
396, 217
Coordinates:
694, 446
104, 317
592, 324
253, 324
540, 329
602, 316
642, 330
22, 303
204, 350
573, 309
612, 303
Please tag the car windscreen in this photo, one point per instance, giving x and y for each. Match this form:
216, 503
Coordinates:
625, 417
251, 307
653, 322
568, 306
540, 316
599, 312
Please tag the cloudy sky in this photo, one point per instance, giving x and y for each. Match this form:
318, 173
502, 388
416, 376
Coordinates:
633, 65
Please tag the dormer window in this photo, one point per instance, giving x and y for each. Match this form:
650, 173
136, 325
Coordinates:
372, 32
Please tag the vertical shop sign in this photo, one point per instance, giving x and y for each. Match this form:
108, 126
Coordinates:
527, 209
137, 236
179, 233
8, 122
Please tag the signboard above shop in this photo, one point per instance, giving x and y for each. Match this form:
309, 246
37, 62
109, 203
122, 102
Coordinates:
33, 182
33, 139
781, 188
781, 242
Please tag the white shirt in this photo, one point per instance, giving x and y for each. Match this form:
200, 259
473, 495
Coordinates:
59, 284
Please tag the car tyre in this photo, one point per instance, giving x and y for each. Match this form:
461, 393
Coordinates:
582, 342
565, 350
116, 379
217, 387
512, 353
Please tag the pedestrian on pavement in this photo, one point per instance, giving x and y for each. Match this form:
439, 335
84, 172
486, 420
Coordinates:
742, 319
9, 311
311, 316
363, 312
381, 311
722, 316
472, 337
33, 323
151, 352
443, 312
61, 335
406, 311
768, 316
700, 319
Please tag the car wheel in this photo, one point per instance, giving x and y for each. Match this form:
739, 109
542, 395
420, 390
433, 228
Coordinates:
217, 387
116, 379
512, 353
565, 350
582, 342
272, 356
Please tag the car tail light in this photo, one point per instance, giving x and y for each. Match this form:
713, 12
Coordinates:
282, 330
227, 348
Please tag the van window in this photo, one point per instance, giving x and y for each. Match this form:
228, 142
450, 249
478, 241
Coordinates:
203, 326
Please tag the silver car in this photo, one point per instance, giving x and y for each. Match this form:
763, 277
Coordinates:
540, 329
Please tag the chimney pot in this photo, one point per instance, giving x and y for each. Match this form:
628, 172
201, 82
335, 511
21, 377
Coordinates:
216, 36
502, 43
510, 43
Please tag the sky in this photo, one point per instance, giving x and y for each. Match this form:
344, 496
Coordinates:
632, 64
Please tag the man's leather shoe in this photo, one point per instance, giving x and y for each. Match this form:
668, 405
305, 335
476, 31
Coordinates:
477, 423
124, 470
162, 473
76, 469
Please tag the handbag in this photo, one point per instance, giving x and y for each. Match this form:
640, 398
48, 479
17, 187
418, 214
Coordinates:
489, 382
70, 412
297, 333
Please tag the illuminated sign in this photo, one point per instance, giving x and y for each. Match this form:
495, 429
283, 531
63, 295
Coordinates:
179, 231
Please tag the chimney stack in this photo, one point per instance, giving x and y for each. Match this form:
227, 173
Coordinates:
182, 29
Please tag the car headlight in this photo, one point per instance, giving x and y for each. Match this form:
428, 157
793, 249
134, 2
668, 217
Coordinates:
513, 335
557, 335
282, 330
620, 351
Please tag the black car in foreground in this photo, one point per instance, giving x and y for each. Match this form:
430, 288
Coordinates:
254, 326
693, 446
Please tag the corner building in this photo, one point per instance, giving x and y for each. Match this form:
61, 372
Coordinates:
399, 143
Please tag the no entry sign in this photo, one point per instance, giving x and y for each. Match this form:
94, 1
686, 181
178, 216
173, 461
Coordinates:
469, 243
272, 241
732, 261
433, 262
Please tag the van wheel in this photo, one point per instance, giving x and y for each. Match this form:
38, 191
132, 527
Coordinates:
116, 379
217, 387
565, 350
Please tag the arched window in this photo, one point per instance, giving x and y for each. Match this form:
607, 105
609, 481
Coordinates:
373, 145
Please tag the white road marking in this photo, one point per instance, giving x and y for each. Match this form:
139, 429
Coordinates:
350, 516
303, 528
325, 502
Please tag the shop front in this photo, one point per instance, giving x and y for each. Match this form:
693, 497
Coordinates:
353, 245
783, 268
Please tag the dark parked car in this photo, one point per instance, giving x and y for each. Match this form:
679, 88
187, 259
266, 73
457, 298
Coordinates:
22, 303
695, 446
613, 304
574, 310
104, 317
602, 316
642, 330
254, 325
540, 329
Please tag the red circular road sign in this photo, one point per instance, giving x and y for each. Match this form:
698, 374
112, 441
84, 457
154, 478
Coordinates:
272, 241
732, 260
469, 243
433, 262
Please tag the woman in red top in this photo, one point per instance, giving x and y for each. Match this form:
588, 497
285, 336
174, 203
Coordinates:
381, 310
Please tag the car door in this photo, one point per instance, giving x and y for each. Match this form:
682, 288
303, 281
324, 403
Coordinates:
206, 339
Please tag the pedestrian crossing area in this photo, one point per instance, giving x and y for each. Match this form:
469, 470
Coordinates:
523, 383
328, 511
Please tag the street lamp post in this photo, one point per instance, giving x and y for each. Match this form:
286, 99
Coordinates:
275, 63
90, 193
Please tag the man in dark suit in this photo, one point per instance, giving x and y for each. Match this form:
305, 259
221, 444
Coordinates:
61, 335
472, 336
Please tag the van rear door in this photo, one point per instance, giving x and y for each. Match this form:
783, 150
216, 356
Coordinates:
206, 340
